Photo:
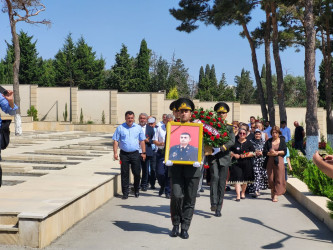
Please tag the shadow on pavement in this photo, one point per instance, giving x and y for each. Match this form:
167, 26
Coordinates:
140, 227
316, 234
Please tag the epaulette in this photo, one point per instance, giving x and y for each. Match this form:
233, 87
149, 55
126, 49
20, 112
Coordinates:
229, 124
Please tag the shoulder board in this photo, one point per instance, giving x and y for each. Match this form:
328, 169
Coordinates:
229, 124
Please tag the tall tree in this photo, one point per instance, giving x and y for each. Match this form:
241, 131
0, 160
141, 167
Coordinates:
244, 87
278, 64
179, 77
142, 77
65, 64
224, 92
14, 8
121, 72
29, 71
159, 77
310, 80
221, 13
89, 70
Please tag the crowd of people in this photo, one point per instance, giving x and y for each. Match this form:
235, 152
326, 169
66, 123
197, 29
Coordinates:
254, 158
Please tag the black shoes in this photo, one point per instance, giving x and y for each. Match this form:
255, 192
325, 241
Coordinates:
184, 234
213, 208
137, 194
201, 190
175, 231
167, 196
218, 213
144, 189
152, 187
160, 192
124, 197
227, 188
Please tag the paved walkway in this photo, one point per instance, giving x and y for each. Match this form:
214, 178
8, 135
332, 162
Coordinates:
144, 223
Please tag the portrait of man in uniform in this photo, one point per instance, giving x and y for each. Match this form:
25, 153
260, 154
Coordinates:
184, 151
184, 142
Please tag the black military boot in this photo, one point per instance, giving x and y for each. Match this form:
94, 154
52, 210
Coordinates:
184, 234
218, 213
175, 231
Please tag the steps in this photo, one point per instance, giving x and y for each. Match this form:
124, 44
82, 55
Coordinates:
8, 222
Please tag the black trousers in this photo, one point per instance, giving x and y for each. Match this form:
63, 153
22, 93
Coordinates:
145, 170
183, 196
127, 159
152, 170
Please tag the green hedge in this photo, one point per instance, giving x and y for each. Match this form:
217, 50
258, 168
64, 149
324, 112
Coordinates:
317, 182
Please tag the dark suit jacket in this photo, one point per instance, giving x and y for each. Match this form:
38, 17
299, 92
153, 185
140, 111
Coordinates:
149, 133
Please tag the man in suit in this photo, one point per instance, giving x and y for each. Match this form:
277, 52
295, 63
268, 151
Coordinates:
184, 182
184, 151
149, 134
219, 163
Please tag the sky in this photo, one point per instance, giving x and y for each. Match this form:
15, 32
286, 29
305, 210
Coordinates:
107, 24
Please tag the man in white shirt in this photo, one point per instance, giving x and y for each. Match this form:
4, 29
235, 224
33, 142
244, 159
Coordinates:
285, 131
161, 169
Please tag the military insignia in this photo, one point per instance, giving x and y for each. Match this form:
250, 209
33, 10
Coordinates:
184, 106
174, 154
238, 148
222, 109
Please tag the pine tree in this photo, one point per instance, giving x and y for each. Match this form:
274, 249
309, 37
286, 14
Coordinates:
121, 72
142, 77
244, 87
65, 65
89, 74
224, 92
159, 77
178, 77
48, 74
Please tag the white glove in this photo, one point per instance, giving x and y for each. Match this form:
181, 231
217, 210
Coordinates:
168, 163
197, 164
216, 150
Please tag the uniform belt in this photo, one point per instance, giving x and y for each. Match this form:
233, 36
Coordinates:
127, 153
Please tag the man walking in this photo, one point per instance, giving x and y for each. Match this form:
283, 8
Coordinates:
184, 182
219, 163
128, 136
149, 134
299, 136
285, 131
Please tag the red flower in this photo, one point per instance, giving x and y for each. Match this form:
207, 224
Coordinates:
217, 136
207, 117
222, 122
212, 138
202, 112
209, 133
202, 121
193, 116
219, 125
211, 124
214, 120
120, 162
206, 166
210, 113
202, 116
205, 130
219, 118
195, 112
225, 134
244, 152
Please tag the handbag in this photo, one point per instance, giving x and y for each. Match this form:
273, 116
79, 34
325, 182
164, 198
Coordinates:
5, 133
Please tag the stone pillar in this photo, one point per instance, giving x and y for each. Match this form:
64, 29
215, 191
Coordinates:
75, 105
33, 96
113, 107
154, 104
236, 111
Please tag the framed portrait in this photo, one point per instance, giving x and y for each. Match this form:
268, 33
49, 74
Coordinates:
184, 142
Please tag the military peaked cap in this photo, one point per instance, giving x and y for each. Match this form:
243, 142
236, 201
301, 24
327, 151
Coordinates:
221, 107
184, 103
172, 106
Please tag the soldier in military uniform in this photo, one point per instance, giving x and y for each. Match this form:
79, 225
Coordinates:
219, 163
184, 182
175, 112
184, 151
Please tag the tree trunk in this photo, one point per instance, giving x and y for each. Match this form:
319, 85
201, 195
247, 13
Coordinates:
256, 73
278, 65
310, 80
328, 80
16, 68
269, 88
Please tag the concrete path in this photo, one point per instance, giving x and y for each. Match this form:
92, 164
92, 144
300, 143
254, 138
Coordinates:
144, 223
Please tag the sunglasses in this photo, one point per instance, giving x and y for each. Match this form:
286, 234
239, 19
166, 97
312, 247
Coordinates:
242, 133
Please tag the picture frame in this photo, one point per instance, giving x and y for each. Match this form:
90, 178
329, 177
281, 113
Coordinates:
184, 142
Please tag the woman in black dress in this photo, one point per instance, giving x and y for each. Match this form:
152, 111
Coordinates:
241, 170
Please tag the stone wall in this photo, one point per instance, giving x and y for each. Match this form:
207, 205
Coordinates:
50, 103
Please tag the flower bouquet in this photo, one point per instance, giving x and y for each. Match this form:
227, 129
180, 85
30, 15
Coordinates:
215, 131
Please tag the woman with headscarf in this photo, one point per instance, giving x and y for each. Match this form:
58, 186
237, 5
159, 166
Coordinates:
260, 174
241, 170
